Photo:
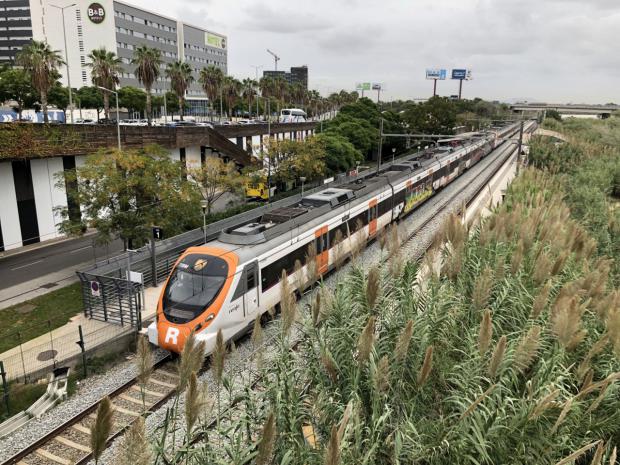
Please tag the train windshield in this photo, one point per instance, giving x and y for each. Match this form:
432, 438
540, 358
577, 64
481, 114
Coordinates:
193, 286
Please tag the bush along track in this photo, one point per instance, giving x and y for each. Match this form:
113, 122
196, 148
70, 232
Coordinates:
506, 350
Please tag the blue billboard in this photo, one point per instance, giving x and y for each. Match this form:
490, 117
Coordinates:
460, 74
436, 74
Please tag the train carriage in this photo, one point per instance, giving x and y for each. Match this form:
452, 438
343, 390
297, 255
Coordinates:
227, 283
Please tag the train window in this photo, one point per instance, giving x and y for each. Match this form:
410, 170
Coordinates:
193, 286
385, 206
250, 275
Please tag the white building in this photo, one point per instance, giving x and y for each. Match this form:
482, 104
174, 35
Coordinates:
117, 26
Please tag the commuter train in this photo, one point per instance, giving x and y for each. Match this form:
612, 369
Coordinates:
227, 283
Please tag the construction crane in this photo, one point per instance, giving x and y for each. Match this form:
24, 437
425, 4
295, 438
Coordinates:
275, 57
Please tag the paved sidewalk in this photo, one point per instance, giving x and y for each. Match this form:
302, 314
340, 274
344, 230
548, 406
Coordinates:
38, 354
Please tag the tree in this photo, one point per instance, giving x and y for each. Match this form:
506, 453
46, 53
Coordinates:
359, 132
554, 114
435, 116
172, 103
290, 159
249, 87
16, 85
105, 68
124, 193
59, 97
180, 75
132, 98
147, 61
340, 154
38, 59
231, 90
211, 79
89, 97
217, 178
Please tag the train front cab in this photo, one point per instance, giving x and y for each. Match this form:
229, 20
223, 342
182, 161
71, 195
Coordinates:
193, 298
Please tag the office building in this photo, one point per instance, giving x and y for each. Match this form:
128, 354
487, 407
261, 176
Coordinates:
297, 74
117, 26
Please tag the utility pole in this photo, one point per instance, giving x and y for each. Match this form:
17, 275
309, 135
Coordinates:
256, 68
380, 144
275, 57
64, 33
520, 144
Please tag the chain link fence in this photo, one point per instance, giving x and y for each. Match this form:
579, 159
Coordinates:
28, 362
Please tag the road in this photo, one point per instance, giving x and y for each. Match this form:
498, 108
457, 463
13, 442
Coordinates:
38, 262
65, 255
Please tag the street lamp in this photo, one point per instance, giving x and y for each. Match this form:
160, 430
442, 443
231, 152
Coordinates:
203, 204
302, 179
256, 68
118, 120
64, 33
393, 154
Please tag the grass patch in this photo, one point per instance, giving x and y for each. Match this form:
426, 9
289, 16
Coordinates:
57, 307
21, 397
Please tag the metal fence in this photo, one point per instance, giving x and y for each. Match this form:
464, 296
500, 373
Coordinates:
28, 362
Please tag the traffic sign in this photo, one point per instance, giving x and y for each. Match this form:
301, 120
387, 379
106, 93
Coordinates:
95, 289
158, 233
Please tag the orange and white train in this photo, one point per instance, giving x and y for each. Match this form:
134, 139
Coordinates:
226, 283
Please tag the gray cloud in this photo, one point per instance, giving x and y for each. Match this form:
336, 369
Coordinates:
542, 49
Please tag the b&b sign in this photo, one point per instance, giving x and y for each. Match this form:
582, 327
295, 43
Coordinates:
96, 13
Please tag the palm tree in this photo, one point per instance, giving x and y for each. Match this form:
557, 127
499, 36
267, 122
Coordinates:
105, 68
299, 94
280, 88
231, 90
249, 91
211, 79
180, 75
147, 61
42, 63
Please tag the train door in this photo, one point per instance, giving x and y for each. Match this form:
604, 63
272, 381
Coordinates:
372, 217
250, 296
322, 249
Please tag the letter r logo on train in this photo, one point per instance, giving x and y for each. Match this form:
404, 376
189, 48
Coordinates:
172, 336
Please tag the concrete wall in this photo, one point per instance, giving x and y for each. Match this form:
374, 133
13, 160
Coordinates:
9, 217
47, 195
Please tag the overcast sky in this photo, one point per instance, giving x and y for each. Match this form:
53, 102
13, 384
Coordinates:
552, 50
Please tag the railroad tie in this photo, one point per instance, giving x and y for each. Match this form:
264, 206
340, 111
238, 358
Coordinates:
169, 374
125, 411
21, 462
135, 387
54, 458
161, 383
70, 443
132, 399
81, 428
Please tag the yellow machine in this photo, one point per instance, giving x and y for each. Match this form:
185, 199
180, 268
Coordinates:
256, 187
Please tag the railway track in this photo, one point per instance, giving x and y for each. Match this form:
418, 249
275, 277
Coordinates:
69, 443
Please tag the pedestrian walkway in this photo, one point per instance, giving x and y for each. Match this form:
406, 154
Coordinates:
36, 358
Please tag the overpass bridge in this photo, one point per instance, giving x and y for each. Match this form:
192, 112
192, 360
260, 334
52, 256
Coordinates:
602, 111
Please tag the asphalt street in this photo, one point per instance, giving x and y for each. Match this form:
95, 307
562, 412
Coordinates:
31, 264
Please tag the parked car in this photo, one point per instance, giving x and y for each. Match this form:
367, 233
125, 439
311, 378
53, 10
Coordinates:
85, 121
106, 121
206, 125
